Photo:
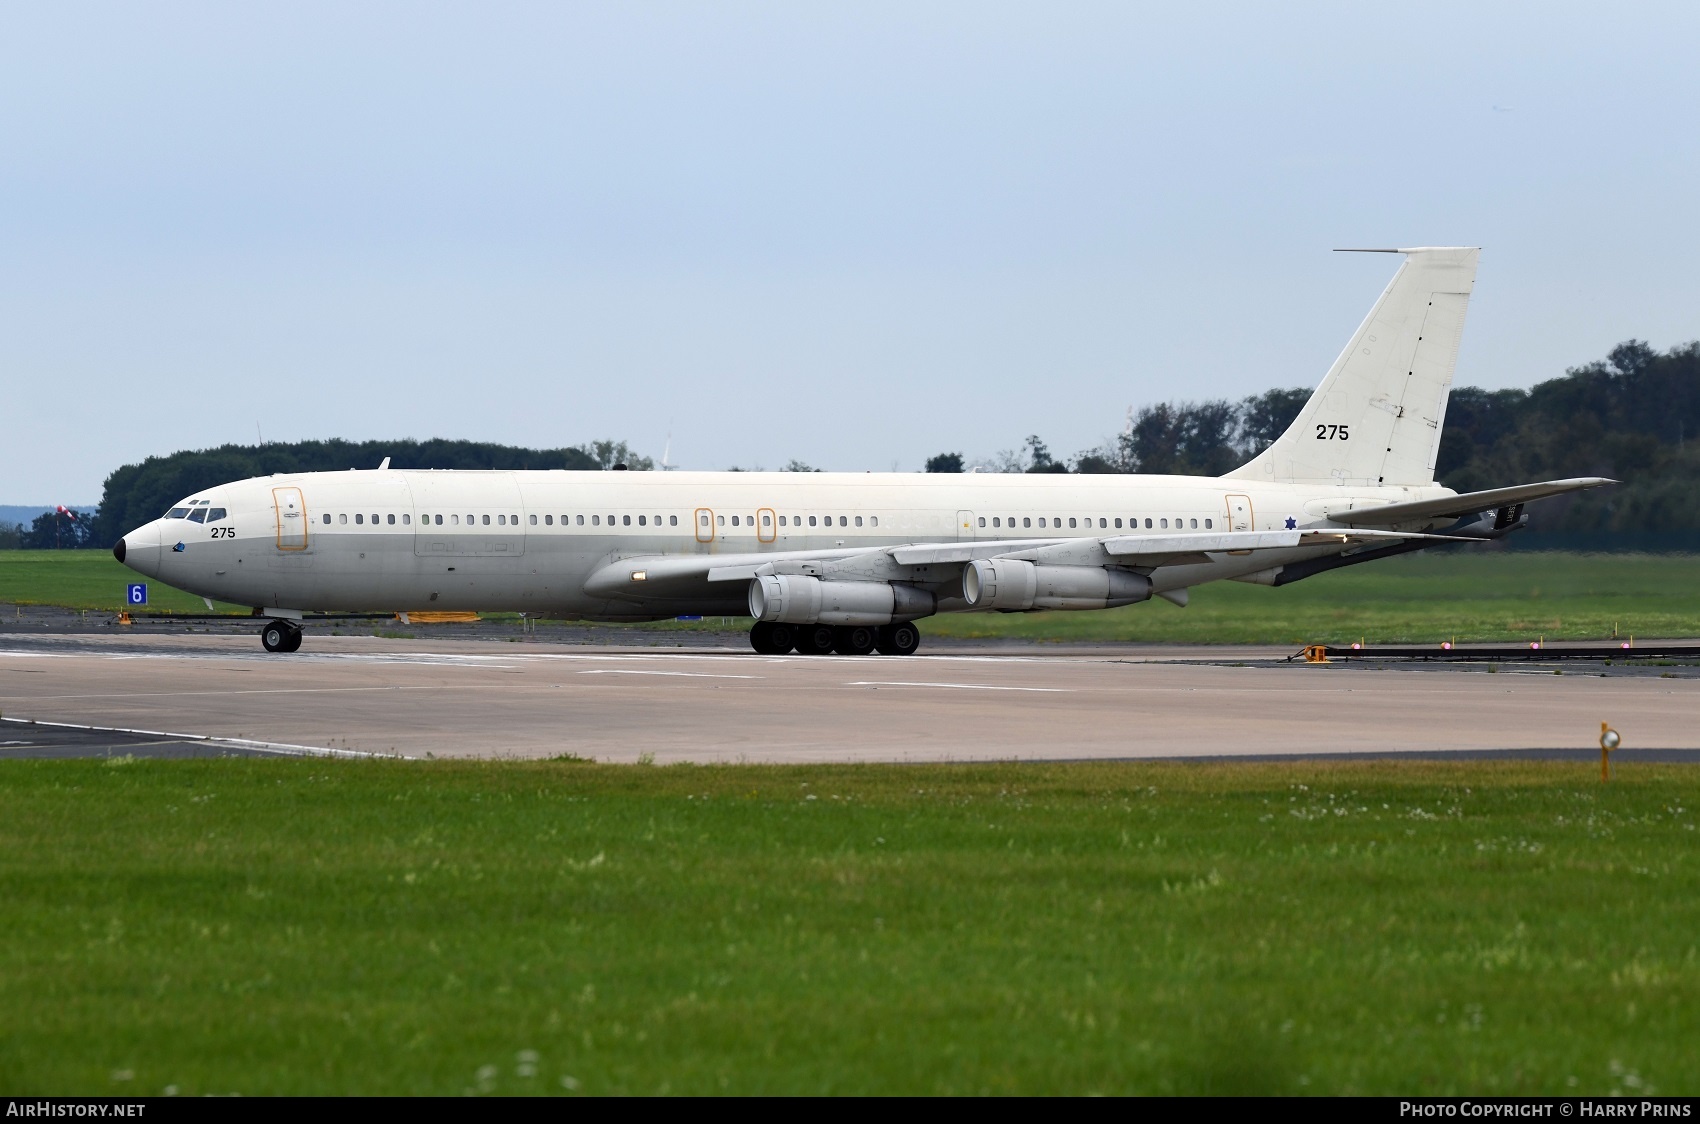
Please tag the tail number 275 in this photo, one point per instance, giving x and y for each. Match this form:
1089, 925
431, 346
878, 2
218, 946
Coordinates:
1332, 433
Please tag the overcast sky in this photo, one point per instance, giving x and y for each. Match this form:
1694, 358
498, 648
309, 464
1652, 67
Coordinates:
856, 234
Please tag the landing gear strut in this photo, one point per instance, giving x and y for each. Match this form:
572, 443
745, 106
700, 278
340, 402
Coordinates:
280, 636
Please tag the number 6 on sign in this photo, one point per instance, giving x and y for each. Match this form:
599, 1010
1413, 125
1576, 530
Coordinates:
136, 594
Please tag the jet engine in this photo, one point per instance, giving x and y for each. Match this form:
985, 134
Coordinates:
1013, 584
795, 599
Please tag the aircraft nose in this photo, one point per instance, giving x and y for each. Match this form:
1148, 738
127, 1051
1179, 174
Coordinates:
140, 549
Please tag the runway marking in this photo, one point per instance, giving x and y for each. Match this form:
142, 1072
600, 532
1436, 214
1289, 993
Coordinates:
965, 687
284, 748
686, 674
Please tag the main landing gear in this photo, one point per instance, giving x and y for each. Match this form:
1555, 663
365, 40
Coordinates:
772, 639
281, 636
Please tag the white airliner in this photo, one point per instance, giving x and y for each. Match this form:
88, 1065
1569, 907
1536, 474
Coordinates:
847, 562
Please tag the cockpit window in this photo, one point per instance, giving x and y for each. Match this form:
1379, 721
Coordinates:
215, 515
177, 513
199, 515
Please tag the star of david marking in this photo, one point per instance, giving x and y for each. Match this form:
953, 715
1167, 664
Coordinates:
1292, 524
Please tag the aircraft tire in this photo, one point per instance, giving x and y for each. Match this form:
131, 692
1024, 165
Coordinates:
275, 636
771, 639
294, 640
898, 639
814, 639
854, 640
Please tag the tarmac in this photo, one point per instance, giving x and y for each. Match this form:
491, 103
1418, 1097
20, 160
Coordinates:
708, 698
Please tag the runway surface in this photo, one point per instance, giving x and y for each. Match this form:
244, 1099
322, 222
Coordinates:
168, 695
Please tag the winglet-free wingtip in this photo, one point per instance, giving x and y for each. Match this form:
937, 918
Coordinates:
1363, 250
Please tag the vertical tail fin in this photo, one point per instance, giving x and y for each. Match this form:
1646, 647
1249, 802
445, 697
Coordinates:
1377, 416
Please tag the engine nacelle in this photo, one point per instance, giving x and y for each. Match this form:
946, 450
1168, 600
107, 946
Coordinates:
1013, 584
795, 599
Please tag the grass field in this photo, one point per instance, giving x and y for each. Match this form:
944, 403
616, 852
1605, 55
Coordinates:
270, 926
86, 579
1468, 596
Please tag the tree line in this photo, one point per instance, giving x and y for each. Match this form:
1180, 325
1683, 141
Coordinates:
1633, 416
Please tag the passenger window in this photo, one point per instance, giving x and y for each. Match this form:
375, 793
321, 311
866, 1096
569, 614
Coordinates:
327, 517
579, 520
358, 518
1208, 524
767, 521
720, 519
1041, 520
859, 521
874, 520
1165, 524
486, 520
439, 520
843, 520
641, 523
995, 522
391, 520
672, 520
1102, 524
1148, 523
734, 520
1071, 521
596, 520
702, 520
1118, 522
548, 520
811, 521
534, 520
342, 519
782, 520
375, 520
1027, 521
626, 519
406, 520
501, 520
982, 520
1194, 523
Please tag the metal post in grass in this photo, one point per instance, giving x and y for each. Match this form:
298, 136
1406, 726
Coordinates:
1609, 740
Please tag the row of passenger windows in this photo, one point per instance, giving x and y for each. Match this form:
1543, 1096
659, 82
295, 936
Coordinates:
1104, 522
455, 520
213, 515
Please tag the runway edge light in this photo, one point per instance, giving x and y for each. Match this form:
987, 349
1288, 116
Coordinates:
1609, 740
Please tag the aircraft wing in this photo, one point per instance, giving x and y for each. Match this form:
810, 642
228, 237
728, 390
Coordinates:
677, 574
1469, 503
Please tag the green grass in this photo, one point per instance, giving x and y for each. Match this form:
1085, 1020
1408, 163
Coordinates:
87, 579
265, 926
1425, 598
1418, 598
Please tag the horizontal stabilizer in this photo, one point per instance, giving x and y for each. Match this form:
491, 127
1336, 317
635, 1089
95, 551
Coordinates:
1469, 503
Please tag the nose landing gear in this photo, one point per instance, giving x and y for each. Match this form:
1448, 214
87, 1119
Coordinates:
847, 640
280, 636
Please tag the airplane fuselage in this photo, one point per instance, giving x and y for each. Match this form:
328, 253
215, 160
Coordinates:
400, 540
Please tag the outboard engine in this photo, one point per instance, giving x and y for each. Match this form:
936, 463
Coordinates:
1012, 584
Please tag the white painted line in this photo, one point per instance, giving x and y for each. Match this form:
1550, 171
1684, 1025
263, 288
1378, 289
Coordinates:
685, 674
965, 687
284, 748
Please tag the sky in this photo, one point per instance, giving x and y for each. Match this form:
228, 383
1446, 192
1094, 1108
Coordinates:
852, 234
